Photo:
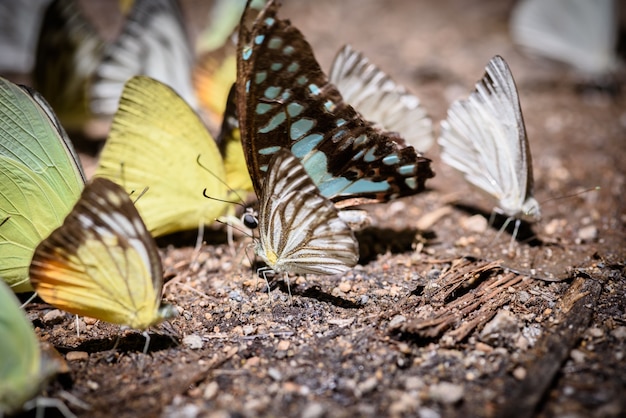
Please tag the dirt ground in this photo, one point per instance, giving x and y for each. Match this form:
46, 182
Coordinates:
439, 318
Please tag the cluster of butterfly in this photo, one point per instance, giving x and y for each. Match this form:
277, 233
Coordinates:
308, 154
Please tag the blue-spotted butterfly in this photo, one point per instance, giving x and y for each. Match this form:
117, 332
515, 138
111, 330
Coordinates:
284, 100
300, 230
484, 137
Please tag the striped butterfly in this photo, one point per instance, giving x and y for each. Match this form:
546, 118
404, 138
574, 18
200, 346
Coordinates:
484, 137
40, 177
102, 262
286, 101
153, 43
300, 229
24, 366
380, 99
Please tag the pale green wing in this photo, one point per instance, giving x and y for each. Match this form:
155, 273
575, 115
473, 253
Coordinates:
22, 369
158, 142
41, 178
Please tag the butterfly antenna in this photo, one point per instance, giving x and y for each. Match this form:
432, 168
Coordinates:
29, 300
221, 181
591, 189
143, 192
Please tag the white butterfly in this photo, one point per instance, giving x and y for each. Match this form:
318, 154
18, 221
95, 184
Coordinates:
380, 99
153, 43
300, 230
484, 137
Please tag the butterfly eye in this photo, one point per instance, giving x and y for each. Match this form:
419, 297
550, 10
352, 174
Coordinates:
250, 219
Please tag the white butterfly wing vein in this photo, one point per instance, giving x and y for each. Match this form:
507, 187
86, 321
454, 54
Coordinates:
484, 137
380, 99
300, 230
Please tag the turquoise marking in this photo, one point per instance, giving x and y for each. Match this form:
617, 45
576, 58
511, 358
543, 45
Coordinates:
302, 80
272, 92
259, 39
275, 122
360, 140
286, 95
275, 43
293, 67
306, 145
288, 50
369, 155
263, 108
263, 168
339, 134
276, 66
260, 77
366, 186
340, 122
358, 155
300, 128
270, 21
314, 89
315, 163
294, 109
247, 52
268, 150
406, 170
329, 105
411, 182
248, 86
391, 159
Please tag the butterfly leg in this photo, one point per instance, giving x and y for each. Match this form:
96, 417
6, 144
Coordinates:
147, 344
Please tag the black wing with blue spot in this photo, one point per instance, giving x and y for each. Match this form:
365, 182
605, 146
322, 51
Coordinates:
285, 101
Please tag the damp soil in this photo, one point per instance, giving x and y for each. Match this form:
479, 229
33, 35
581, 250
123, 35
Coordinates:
443, 316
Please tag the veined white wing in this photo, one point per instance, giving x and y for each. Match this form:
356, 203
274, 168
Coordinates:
380, 99
153, 43
484, 137
300, 230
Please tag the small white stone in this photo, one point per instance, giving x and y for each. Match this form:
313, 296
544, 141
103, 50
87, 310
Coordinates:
446, 392
193, 341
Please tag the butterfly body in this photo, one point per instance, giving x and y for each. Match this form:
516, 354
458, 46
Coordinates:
102, 262
300, 230
484, 137
285, 101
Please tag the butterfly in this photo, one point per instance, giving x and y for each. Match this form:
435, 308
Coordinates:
40, 174
380, 99
285, 101
69, 50
24, 366
153, 42
102, 262
157, 141
484, 137
300, 230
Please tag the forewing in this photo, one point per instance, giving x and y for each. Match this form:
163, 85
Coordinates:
285, 101
102, 262
380, 99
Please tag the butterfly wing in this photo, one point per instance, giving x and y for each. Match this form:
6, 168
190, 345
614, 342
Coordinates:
40, 174
484, 137
380, 99
285, 101
22, 368
102, 262
300, 230
153, 43
68, 52
157, 141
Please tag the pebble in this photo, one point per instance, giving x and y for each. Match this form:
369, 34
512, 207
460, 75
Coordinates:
345, 287
235, 295
428, 413
275, 374
595, 332
520, 373
413, 383
313, 410
447, 393
283, 345
578, 356
503, 326
55, 316
210, 391
77, 356
396, 320
475, 223
619, 333
368, 385
587, 233
193, 341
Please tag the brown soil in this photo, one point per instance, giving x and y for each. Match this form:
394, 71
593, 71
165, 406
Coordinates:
440, 318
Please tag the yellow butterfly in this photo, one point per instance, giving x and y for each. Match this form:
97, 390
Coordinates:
157, 141
24, 367
102, 262
40, 178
